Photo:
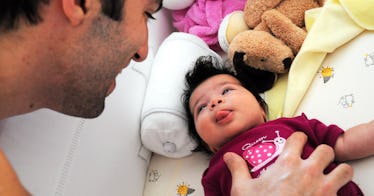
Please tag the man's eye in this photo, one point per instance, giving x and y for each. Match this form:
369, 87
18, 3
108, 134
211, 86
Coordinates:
150, 16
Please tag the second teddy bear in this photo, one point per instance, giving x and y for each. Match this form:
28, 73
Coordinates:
275, 36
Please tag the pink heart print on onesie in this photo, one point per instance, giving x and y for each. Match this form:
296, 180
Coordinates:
260, 154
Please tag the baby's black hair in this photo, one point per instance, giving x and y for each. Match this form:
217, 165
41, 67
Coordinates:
207, 67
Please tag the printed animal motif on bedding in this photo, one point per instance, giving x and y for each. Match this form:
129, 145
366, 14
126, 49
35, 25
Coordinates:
347, 101
369, 59
184, 189
326, 73
153, 175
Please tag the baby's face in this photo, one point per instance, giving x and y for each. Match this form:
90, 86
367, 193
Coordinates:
222, 108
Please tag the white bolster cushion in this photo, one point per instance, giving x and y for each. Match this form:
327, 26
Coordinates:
164, 128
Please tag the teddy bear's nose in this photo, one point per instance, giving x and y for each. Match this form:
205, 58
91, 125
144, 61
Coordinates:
287, 63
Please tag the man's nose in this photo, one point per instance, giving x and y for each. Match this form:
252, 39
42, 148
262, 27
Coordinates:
215, 102
142, 52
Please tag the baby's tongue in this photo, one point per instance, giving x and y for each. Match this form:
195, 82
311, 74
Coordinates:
221, 114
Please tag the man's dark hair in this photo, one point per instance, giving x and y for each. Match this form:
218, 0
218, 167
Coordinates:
12, 11
206, 67
113, 8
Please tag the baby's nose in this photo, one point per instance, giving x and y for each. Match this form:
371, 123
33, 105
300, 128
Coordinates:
215, 102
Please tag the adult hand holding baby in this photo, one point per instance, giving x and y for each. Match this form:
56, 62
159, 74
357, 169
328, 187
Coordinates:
290, 174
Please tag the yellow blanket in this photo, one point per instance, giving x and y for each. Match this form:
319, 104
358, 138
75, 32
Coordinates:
331, 26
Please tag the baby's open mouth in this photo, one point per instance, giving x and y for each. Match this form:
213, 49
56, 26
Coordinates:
223, 116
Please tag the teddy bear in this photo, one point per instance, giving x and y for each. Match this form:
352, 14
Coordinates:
274, 36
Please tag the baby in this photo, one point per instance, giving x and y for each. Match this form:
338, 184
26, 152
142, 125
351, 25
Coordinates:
226, 114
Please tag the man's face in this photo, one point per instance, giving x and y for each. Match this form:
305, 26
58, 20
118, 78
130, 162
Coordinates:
100, 52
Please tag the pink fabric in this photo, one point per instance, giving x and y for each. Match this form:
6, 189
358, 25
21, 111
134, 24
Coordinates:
203, 18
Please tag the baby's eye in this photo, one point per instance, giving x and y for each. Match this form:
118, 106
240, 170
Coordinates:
200, 108
226, 90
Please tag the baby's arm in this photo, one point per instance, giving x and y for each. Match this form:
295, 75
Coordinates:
357, 142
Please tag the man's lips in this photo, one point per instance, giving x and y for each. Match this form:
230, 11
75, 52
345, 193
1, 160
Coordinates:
223, 116
111, 88
113, 85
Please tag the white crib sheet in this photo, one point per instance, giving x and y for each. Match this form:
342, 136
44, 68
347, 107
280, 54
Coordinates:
341, 94
170, 176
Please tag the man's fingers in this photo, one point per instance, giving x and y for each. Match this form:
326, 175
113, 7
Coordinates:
338, 177
237, 166
294, 145
323, 155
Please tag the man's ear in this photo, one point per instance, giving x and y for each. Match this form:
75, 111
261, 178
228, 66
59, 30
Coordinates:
74, 10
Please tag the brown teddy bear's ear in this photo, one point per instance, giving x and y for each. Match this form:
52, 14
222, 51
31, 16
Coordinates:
262, 80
